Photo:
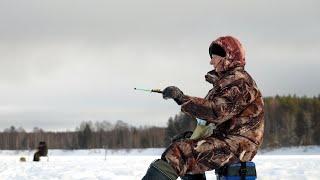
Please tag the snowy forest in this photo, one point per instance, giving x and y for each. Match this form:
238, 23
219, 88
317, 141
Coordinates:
289, 121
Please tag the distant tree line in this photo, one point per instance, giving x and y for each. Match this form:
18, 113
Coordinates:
289, 121
88, 135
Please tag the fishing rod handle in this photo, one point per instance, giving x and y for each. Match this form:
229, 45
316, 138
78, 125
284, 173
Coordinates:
156, 91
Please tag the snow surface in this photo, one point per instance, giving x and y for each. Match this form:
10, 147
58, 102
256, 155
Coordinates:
285, 163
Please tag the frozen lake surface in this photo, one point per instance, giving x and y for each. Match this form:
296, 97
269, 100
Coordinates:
288, 163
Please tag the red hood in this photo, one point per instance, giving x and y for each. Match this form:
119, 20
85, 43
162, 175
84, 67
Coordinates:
235, 53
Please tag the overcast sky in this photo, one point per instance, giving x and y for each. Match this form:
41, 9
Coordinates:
62, 61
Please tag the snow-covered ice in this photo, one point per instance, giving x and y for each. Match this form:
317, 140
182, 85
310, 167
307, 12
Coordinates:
286, 163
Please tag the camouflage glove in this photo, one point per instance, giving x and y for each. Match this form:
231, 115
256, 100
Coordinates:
202, 130
174, 93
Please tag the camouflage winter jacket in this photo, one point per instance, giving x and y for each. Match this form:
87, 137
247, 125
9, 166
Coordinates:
234, 104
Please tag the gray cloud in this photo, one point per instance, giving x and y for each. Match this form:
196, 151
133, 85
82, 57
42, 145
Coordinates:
62, 62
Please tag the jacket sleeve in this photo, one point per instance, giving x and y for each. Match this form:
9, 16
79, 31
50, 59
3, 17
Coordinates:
221, 107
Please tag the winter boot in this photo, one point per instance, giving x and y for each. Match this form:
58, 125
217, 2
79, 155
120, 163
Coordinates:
194, 177
160, 170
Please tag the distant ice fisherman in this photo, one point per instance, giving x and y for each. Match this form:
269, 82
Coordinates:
42, 151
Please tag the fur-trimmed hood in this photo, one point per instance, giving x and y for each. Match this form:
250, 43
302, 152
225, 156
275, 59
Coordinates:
234, 52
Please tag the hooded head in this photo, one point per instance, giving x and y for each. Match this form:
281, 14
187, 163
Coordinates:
230, 51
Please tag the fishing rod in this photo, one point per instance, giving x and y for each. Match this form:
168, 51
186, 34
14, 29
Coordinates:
149, 90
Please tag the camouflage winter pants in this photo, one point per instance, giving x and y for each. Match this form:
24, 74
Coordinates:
198, 156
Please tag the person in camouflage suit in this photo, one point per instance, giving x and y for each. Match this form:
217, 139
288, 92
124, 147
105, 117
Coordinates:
234, 107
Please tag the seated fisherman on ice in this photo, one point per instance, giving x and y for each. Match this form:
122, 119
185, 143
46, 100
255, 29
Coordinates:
232, 114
